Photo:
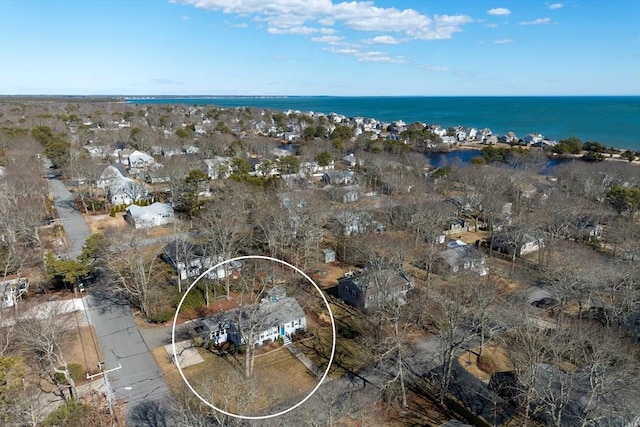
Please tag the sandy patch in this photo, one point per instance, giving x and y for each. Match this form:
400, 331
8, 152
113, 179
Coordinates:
186, 353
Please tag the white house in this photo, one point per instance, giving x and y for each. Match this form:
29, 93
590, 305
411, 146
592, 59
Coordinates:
112, 174
275, 316
153, 215
139, 159
125, 191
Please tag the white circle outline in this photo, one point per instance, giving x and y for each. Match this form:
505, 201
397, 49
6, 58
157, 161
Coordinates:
247, 417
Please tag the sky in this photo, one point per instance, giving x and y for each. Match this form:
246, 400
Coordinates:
320, 47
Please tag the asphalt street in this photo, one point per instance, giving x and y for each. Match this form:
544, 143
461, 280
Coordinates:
132, 371
75, 227
133, 374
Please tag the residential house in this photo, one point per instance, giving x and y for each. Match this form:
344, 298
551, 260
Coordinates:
522, 243
190, 261
456, 225
370, 288
275, 316
459, 256
339, 177
12, 290
156, 175
347, 194
312, 168
150, 216
140, 160
532, 138
351, 160
113, 173
218, 167
491, 140
508, 138
351, 223
589, 228
126, 191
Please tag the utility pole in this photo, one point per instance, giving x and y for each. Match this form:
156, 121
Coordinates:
107, 386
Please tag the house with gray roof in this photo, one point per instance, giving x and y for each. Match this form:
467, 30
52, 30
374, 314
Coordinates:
276, 315
459, 256
371, 288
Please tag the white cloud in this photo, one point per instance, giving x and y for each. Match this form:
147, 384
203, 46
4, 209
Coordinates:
327, 39
369, 56
382, 40
435, 68
297, 16
539, 21
503, 41
185, 18
500, 11
556, 6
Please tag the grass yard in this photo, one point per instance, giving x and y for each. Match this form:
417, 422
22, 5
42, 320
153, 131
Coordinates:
278, 377
496, 359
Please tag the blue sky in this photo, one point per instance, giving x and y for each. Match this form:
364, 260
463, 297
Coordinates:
320, 47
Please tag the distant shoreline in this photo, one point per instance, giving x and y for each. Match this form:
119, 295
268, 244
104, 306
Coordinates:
478, 146
448, 111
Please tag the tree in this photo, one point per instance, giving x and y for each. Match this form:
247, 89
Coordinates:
624, 199
629, 155
289, 165
324, 158
342, 133
133, 267
225, 225
571, 145
188, 199
240, 167
44, 337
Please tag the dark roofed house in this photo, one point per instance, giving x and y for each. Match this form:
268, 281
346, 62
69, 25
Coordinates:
463, 257
371, 288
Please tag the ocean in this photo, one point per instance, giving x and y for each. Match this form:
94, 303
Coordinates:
611, 120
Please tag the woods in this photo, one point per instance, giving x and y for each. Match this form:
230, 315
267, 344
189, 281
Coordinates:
549, 275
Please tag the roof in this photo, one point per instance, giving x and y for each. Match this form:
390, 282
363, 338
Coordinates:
156, 208
268, 313
461, 255
365, 278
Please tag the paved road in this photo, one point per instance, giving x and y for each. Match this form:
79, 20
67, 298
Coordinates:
75, 227
139, 379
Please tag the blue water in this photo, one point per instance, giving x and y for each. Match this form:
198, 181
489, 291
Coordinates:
611, 120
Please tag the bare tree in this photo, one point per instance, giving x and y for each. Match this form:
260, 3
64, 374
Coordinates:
134, 266
43, 336
225, 229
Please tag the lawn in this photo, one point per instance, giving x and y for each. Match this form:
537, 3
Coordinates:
278, 377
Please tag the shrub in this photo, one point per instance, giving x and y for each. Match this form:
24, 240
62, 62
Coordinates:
193, 300
75, 371
70, 414
161, 316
